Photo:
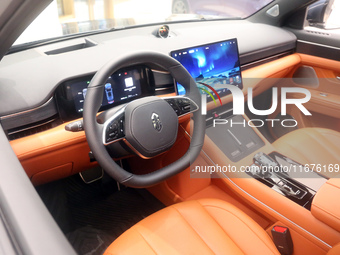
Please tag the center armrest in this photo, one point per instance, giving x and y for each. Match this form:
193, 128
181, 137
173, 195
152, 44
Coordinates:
326, 206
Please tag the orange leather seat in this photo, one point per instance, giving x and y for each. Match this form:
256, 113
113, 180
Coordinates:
335, 250
207, 226
312, 146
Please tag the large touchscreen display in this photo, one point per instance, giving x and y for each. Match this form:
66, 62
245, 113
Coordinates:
211, 64
120, 86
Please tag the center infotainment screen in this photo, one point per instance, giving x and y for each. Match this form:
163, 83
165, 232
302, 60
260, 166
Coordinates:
119, 86
211, 64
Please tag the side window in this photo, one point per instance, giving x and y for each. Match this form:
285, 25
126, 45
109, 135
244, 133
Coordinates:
323, 15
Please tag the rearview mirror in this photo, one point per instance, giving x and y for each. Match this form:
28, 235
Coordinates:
319, 12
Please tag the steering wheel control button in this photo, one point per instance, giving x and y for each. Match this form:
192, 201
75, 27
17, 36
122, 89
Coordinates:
114, 129
186, 108
174, 106
182, 105
121, 125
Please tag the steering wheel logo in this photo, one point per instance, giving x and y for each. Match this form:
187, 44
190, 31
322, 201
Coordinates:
156, 122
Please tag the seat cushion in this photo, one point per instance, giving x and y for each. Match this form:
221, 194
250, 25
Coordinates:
207, 226
311, 146
335, 250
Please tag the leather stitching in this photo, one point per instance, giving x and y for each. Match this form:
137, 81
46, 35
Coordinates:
321, 142
192, 229
145, 240
326, 212
217, 207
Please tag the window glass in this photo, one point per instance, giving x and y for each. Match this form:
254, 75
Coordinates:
65, 17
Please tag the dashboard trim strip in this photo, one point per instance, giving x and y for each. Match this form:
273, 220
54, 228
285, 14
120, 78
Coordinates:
318, 50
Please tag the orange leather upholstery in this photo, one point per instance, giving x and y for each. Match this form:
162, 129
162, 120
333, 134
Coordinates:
206, 226
326, 206
335, 250
312, 146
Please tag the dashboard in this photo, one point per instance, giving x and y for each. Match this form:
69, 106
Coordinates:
31, 98
210, 64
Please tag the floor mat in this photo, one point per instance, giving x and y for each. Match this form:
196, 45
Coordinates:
93, 215
89, 241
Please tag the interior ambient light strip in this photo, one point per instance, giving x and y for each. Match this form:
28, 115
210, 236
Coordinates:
262, 202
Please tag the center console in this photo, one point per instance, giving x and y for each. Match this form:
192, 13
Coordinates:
287, 177
232, 134
238, 141
326, 206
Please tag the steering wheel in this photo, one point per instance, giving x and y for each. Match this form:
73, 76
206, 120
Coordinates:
148, 125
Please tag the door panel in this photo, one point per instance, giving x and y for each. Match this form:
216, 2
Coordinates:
324, 104
319, 49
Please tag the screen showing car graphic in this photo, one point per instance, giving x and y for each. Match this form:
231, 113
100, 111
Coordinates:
211, 64
119, 86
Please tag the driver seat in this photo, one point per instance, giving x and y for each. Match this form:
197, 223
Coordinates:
207, 226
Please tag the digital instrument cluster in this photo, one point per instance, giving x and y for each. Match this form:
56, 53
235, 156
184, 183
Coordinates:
121, 87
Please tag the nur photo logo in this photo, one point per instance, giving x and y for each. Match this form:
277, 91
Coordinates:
239, 98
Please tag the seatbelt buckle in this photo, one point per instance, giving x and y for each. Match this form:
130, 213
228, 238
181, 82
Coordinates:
282, 240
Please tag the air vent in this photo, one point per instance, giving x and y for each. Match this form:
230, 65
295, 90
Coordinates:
33, 128
317, 33
164, 82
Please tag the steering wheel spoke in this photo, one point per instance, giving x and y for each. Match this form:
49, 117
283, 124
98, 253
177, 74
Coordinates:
182, 105
113, 130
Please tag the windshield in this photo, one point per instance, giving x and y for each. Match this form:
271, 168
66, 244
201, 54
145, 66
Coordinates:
67, 17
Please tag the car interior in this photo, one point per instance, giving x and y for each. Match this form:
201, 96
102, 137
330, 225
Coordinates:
118, 141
